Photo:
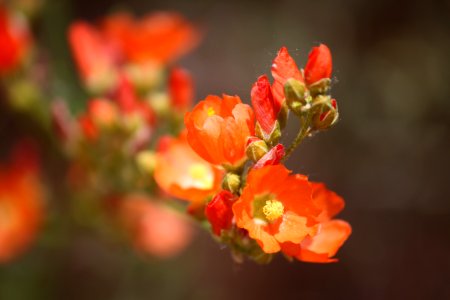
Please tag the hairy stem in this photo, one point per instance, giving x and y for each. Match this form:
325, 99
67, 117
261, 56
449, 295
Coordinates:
302, 133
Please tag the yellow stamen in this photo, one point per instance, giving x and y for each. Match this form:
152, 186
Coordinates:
201, 176
273, 209
211, 111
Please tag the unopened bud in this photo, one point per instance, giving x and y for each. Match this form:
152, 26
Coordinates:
231, 182
320, 87
272, 138
273, 157
219, 211
294, 92
325, 113
256, 148
283, 115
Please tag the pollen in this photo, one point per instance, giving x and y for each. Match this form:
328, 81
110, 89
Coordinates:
200, 176
273, 209
211, 111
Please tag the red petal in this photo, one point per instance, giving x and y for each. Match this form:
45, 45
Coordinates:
283, 68
273, 157
319, 64
181, 88
263, 104
219, 212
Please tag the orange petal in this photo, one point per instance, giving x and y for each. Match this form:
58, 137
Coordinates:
293, 228
326, 243
326, 200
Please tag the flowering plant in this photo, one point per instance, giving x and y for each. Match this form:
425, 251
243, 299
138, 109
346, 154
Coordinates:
137, 144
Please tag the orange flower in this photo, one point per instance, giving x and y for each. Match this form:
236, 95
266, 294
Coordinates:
283, 68
331, 235
218, 129
138, 48
160, 37
276, 207
180, 172
20, 204
14, 40
154, 229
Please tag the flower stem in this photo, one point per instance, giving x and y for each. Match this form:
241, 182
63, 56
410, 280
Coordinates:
302, 133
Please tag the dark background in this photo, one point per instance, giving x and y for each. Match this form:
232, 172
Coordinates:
388, 156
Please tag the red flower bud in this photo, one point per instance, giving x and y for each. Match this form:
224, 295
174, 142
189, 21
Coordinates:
263, 104
273, 157
319, 64
181, 88
283, 68
219, 212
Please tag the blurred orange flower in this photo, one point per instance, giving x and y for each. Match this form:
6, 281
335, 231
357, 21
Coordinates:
159, 37
218, 129
21, 200
14, 40
180, 172
154, 229
145, 46
94, 56
331, 234
276, 207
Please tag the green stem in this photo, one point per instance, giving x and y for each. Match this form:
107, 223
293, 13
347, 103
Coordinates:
303, 132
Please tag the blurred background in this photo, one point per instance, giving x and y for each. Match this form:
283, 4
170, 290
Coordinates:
388, 156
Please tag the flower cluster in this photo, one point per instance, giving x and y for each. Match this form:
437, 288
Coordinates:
138, 98
262, 208
135, 144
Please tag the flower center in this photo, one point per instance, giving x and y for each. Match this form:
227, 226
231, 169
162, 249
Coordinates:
273, 209
201, 176
211, 111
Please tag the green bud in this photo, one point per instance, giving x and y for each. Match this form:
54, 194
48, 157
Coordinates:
320, 87
256, 148
231, 182
294, 92
325, 112
272, 138
283, 115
